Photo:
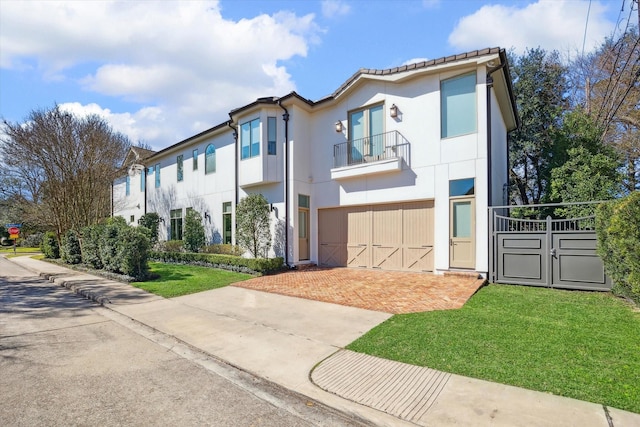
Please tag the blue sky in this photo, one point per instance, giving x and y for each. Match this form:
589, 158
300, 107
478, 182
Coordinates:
161, 71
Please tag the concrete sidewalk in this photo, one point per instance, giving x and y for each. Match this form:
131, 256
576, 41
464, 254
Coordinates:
298, 344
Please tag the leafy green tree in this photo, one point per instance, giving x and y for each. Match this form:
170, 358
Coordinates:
70, 250
254, 225
541, 98
193, 236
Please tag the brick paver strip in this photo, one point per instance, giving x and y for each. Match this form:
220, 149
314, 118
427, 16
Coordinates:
386, 291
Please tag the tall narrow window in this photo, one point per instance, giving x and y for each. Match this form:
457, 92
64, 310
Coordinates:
176, 224
250, 139
210, 159
195, 159
271, 135
366, 133
143, 180
180, 167
128, 185
157, 175
226, 223
458, 105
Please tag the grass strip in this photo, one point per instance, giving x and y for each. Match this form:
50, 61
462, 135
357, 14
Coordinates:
176, 280
583, 345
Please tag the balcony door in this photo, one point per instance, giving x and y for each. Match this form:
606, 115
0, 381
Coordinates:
366, 128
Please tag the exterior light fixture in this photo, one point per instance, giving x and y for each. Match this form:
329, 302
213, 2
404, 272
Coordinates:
207, 217
393, 111
338, 126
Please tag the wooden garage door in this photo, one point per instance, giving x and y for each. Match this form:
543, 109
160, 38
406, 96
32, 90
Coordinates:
390, 237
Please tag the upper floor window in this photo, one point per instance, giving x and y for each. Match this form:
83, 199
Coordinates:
250, 139
366, 132
458, 105
180, 168
143, 180
271, 135
195, 159
462, 187
158, 175
210, 159
128, 185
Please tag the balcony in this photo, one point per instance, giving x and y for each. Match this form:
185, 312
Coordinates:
371, 155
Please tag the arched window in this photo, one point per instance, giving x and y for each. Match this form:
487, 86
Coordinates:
210, 159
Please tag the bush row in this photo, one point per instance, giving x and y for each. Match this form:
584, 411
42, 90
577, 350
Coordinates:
618, 230
227, 262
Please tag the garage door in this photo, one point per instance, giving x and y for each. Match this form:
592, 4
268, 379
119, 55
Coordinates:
388, 237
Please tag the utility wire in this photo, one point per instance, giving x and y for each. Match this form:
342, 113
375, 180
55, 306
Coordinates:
586, 24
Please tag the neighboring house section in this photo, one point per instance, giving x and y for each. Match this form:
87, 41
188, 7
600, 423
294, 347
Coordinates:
395, 170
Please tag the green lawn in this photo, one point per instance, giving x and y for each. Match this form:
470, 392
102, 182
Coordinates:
19, 250
576, 344
176, 280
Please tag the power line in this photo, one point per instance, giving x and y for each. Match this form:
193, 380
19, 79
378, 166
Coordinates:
586, 24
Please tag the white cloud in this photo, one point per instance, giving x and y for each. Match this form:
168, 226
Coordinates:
431, 4
550, 24
333, 8
413, 61
183, 62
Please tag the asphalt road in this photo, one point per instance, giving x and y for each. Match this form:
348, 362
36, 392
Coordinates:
67, 361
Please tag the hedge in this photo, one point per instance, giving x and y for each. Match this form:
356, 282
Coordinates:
227, 262
618, 231
49, 246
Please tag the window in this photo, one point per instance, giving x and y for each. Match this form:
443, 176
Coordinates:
143, 180
271, 135
176, 224
462, 187
128, 186
158, 175
132, 218
303, 201
458, 109
180, 169
226, 223
195, 159
250, 139
210, 159
366, 129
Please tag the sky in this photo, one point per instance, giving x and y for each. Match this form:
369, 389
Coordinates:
162, 71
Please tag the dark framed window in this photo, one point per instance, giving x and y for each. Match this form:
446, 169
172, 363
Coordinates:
227, 224
195, 159
180, 168
210, 159
462, 187
128, 186
176, 224
271, 135
250, 139
157, 175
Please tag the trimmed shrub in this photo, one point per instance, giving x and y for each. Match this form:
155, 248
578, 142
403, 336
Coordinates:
226, 262
109, 244
133, 249
223, 249
90, 245
49, 246
32, 240
151, 221
618, 230
70, 251
193, 236
170, 246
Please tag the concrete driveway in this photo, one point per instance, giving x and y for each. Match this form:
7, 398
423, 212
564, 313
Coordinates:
386, 291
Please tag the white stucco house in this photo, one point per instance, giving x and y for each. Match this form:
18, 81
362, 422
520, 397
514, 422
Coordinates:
395, 170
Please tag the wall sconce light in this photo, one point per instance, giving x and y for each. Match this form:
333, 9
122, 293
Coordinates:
271, 207
393, 111
161, 220
338, 126
138, 206
207, 217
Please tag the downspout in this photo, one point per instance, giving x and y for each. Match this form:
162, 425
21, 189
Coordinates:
235, 141
145, 189
111, 199
285, 117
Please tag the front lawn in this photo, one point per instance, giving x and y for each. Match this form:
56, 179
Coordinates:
175, 279
19, 250
582, 345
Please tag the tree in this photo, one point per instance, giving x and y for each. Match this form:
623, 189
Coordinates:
151, 221
65, 165
609, 83
193, 236
541, 97
254, 225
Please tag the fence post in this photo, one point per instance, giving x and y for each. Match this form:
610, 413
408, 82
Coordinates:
549, 257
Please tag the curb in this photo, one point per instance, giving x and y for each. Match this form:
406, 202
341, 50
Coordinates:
102, 300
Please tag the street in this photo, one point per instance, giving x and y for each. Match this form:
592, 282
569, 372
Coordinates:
67, 361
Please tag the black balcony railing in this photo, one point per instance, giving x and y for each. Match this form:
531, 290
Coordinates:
389, 145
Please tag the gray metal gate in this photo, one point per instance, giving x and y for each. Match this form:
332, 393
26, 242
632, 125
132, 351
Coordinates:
558, 253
